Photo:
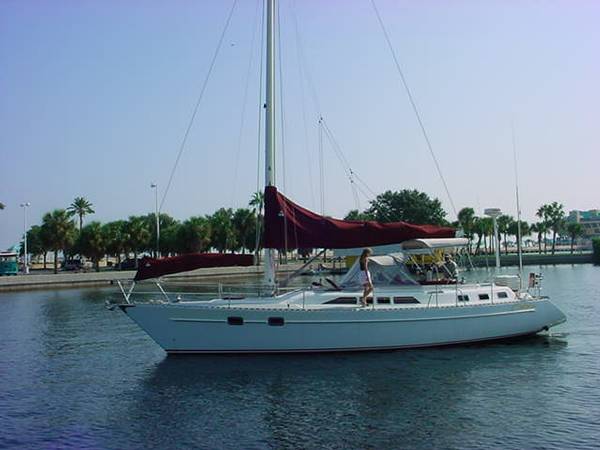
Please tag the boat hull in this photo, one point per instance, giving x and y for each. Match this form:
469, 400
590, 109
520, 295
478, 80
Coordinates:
199, 329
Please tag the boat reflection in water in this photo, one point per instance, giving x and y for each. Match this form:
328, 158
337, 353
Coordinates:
442, 397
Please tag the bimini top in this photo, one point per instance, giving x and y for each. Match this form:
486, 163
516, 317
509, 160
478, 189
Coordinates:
426, 246
386, 270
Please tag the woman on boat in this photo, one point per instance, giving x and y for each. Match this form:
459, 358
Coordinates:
365, 276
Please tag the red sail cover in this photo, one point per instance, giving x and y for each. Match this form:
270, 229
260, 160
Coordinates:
154, 268
305, 229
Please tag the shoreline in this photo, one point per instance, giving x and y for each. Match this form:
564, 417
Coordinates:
533, 259
109, 278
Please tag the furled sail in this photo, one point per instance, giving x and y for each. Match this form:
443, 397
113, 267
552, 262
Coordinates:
154, 268
288, 225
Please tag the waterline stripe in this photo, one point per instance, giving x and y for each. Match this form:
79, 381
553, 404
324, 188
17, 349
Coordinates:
420, 319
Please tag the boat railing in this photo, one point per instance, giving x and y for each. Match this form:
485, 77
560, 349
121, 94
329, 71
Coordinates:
173, 291
432, 295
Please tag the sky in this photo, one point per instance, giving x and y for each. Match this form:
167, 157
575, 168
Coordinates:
95, 98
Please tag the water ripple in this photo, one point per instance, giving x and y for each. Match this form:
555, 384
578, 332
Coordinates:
73, 375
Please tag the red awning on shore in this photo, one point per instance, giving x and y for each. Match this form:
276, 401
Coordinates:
155, 268
288, 225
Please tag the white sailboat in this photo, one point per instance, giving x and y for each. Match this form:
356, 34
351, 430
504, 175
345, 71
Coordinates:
402, 313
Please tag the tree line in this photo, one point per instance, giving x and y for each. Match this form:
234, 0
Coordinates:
235, 230
417, 207
224, 230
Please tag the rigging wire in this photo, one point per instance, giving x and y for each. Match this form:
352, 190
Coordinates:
281, 103
300, 42
200, 96
305, 74
344, 162
519, 232
321, 163
307, 151
282, 127
261, 106
413, 104
244, 101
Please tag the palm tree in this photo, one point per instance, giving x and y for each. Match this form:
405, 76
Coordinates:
541, 229
257, 202
35, 244
92, 243
115, 237
556, 220
513, 230
244, 224
223, 235
504, 222
542, 226
466, 220
193, 235
80, 207
58, 233
575, 230
137, 236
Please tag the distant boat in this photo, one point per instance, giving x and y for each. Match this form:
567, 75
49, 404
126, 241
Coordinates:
402, 313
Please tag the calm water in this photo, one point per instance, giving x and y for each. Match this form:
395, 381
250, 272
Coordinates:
74, 375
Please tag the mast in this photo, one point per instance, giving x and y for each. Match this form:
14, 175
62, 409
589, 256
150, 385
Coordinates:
269, 261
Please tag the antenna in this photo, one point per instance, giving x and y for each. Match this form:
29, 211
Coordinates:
519, 236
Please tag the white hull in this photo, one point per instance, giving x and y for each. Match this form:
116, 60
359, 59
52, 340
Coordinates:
208, 328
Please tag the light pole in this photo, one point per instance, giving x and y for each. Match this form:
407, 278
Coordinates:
25, 259
494, 213
157, 216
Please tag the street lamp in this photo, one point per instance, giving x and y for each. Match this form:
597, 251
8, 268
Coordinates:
25, 259
494, 213
157, 216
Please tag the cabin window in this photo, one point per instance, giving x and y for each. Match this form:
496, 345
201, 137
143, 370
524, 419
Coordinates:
276, 321
235, 320
463, 298
404, 300
502, 294
342, 301
233, 297
383, 300
484, 297
369, 300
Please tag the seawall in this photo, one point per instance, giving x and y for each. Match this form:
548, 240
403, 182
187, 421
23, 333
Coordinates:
67, 280
531, 259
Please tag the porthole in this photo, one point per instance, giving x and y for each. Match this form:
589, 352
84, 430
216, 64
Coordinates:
235, 320
405, 300
276, 321
342, 301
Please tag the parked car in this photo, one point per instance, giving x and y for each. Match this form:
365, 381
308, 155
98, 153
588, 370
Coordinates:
72, 265
127, 264
8, 263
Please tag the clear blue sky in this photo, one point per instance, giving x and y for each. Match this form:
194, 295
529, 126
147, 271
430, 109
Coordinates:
96, 96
